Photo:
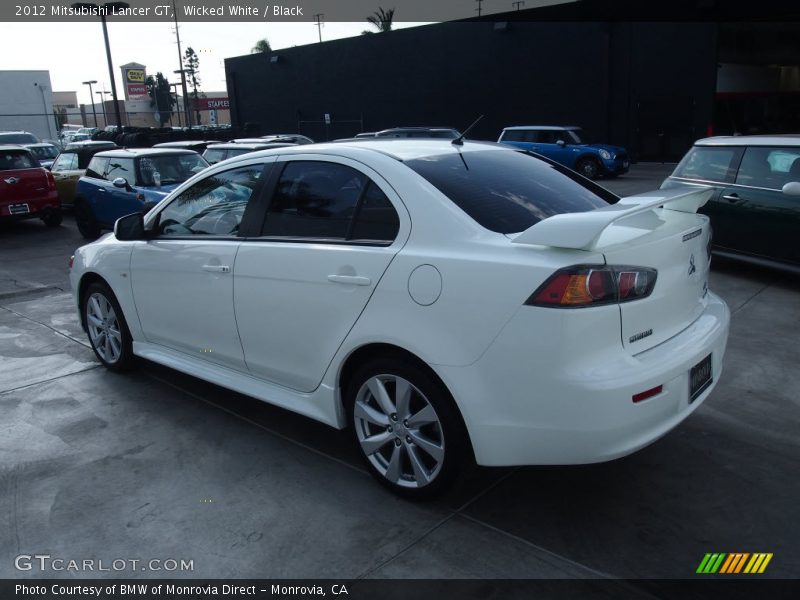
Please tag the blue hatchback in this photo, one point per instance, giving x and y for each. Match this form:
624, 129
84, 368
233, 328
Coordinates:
567, 146
121, 182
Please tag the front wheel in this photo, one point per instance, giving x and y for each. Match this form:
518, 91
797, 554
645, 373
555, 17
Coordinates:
589, 168
108, 332
407, 428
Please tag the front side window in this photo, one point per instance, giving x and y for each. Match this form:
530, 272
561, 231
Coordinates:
212, 206
709, 163
314, 199
769, 167
508, 192
66, 161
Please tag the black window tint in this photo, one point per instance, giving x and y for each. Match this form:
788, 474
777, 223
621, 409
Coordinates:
709, 164
212, 206
314, 199
376, 219
769, 167
66, 161
507, 192
120, 167
550, 137
97, 166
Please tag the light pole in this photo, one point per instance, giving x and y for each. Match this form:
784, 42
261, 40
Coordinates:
174, 87
187, 111
182, 70
91, 97
103, 9
103, 103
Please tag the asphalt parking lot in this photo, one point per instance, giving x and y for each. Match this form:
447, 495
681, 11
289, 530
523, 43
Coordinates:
155, 464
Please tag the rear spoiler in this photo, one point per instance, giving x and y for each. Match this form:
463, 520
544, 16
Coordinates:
582, 229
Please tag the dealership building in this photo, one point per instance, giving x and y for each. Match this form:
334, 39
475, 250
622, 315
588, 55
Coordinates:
631, 73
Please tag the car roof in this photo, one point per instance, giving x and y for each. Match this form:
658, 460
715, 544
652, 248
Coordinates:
38, 145
786, 139
401, 149
85, 143
134, 152
542, 127
182, 143
7, 147
248, 145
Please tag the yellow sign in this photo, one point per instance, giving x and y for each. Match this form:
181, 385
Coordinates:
135, 75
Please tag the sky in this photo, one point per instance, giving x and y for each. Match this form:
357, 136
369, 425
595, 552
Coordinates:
75, 52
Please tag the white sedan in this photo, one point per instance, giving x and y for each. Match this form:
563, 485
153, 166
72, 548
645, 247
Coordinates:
446, 301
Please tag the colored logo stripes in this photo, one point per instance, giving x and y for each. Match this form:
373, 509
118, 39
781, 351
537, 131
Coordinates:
735, 562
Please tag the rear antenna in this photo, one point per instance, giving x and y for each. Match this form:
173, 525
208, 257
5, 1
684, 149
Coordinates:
459, 141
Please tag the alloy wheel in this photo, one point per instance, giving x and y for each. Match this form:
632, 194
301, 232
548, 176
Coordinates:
399, 431
104, 328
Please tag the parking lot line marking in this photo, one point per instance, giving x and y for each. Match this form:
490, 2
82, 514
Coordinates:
51, 328
257, 424
27, 385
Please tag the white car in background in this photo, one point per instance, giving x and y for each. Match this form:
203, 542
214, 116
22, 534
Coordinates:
445, 299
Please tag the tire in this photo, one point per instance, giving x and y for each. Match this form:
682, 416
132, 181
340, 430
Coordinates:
589, 168
415, 448
53, 218
85, 220
108, 332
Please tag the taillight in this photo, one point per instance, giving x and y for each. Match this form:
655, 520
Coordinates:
71, 261
591, 285
51, 182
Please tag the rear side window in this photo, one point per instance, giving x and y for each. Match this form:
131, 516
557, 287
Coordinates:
376, 218
314, 199
508, 192
709, 163
214, 156
17, 159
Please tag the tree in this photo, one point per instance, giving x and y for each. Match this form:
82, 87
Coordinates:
381, 20
192, 65
160, 95
262, 45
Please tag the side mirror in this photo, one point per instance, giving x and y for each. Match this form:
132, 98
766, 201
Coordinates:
120, 182
792, 188
561, 143
130, 228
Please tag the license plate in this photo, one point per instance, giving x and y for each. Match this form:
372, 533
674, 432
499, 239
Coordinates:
18, 209
700, 378
625, 163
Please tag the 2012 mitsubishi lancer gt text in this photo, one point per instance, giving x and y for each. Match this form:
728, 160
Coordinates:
446, 300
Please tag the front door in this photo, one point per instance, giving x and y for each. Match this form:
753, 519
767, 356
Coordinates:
183, 278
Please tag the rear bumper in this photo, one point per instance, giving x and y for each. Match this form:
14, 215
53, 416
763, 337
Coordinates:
526, 402
37, 207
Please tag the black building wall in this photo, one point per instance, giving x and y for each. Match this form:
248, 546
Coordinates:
623, 82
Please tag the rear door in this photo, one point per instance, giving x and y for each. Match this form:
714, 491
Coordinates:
332, 227
22, 182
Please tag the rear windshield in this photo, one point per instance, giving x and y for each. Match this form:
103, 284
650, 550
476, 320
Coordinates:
44, 152
508, 192
11, 160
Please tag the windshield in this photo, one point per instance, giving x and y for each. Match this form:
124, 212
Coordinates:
171, 168
508, 192
44, 152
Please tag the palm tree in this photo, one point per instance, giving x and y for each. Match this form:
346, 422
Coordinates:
381, 20
262, 45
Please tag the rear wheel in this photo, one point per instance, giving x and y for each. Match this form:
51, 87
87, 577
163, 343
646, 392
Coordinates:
85, 220
52, 218
589, 168
406, 426
108, 332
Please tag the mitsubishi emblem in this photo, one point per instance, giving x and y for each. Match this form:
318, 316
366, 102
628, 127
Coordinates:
692, 268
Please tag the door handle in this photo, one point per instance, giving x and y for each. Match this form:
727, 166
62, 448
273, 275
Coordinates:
732, 198
216, 268
349, 279
101, 191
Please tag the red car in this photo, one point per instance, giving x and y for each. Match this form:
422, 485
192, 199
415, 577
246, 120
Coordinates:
27, 190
